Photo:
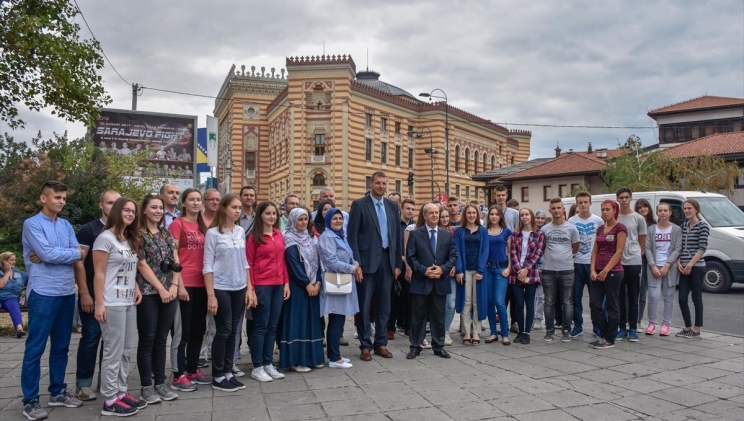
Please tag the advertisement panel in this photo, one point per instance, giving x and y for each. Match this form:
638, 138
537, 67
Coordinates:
169, 139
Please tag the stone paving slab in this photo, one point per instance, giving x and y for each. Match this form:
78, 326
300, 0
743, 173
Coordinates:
655, 379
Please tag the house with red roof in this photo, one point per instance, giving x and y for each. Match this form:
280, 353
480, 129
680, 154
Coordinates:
698, 117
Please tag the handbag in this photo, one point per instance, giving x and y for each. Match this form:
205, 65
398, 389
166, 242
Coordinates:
336, 283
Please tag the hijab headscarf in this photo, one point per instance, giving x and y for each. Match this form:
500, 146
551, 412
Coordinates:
319, 221
307, 244
329, 215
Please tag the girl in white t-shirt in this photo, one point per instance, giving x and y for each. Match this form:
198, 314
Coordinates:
116, 259
663, 246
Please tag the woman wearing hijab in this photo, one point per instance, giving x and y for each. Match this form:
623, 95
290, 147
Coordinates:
336, 256
301, 338
319, 221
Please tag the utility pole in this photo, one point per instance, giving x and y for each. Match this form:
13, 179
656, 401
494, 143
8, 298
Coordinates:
135, 88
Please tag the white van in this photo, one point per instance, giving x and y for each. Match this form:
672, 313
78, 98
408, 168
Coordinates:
724, 259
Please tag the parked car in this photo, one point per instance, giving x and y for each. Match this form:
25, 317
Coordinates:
724, 259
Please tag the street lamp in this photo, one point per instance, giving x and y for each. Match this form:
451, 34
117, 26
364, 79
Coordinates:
430, 150
446, 134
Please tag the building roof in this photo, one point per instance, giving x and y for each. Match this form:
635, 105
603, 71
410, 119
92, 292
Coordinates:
500, 172
372, 78
705, 102
716, 144
565, 165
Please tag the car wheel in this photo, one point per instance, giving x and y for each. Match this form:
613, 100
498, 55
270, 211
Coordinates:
717, 278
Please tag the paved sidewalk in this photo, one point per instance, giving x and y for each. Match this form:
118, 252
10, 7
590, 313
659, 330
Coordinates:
657, 378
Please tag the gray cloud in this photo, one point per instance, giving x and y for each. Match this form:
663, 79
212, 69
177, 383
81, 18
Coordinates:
542, 62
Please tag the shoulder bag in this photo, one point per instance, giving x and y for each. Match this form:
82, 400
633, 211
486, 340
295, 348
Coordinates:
336, 283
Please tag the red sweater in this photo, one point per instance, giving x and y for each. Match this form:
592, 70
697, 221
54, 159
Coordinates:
266, 260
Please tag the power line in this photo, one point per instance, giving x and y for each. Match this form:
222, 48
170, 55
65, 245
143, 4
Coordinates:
501, 124
94, 37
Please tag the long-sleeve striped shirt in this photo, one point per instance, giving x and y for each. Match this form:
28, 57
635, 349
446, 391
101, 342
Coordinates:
694, 240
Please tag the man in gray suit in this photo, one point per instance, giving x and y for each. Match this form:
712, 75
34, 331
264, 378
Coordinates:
375, 239
431, 254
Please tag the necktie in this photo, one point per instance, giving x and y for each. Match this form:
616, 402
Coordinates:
433, 241
382, 219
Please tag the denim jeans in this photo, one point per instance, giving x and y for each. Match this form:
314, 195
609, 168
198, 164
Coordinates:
230, 310
581, 278
606, 293
333, 335
629, 290
692, 282
552, 280
88, 349
449, 307
265, 319
496, 284
154, 320
524, 295
48, 318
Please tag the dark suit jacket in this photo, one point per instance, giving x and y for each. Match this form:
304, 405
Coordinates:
420, 257
364, 234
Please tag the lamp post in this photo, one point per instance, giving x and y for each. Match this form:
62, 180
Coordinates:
446, 134
430, 150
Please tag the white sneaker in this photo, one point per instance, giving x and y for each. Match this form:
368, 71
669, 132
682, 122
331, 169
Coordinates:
301, 369
425, 345
271, 371
346, 360
345, 364
260, 375
356, 334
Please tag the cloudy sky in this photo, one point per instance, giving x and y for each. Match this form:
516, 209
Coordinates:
517, 63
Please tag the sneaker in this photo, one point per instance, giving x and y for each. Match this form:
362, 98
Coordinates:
33, 411
597, 332
632, 335
225, 385
684, 333
85, 394
651, 329
183, 384
234, 380
132, 401
165, 393
198, 377
448, 342
273, 372
537, 324
118, 409
202, 363
425, 345
621, 333
548, 336
301, 369
356, 335
259, 374
694, 335
345, 364
601, 344
577, 331
514, 328
65, 399
237, 372
566, 336
665, 331
149, 395
518, 339
525, 339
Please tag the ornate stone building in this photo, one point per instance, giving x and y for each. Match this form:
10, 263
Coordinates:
321, 123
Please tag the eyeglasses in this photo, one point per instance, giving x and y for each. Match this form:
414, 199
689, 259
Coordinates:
132, 211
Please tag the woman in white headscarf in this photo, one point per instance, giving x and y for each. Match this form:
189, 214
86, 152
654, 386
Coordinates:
301, 334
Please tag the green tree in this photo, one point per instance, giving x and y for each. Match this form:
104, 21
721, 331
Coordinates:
45, 63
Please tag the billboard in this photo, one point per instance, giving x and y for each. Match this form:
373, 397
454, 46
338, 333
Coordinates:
169, 139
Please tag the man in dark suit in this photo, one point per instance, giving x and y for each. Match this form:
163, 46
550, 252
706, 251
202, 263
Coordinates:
431, 254
375, 239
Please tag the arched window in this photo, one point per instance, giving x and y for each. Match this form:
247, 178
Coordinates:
485, 161
467, 160
457, 158
476, 155
493, 162
319, 180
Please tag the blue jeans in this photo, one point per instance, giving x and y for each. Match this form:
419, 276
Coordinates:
496, 285
48, 318
87, 349
524, 295
449, 307
552, 282
265, 319
581, 277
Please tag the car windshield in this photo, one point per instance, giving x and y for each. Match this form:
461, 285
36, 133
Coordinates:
720, 212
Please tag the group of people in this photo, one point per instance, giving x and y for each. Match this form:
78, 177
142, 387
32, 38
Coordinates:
150, 269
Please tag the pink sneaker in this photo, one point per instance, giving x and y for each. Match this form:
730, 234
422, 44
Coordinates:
651, 329
183, 384
665, 330
198, 378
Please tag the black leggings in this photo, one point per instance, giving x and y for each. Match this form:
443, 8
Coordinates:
154, 320
692, 282
193, 327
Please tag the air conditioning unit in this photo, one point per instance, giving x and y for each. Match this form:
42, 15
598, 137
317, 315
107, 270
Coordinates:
318, 159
